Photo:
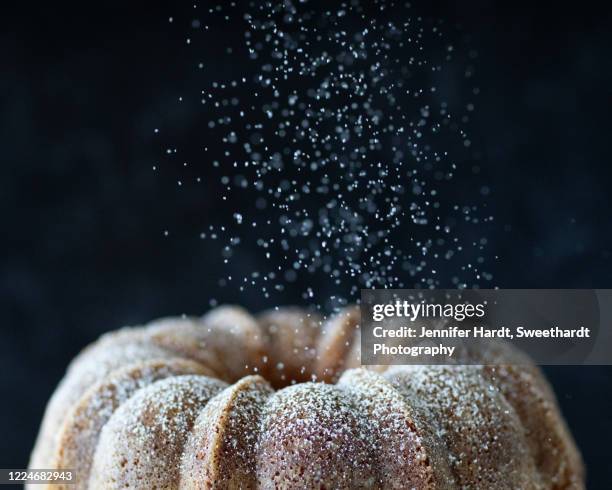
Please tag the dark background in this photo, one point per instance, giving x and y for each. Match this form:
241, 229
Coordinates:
82, 213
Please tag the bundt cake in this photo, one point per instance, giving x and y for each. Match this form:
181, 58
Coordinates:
279, 401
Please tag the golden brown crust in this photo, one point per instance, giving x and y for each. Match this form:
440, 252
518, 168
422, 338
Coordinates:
227, 340
312, 438
111, 352
550, 443
220, 452
477, 424
339, 334
291, 336
78, 437
143, 418
142, 443
406, 446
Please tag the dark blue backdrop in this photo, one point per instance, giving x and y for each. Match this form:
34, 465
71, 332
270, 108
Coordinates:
82, 214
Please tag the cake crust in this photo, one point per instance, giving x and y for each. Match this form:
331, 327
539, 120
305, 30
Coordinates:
233, 401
